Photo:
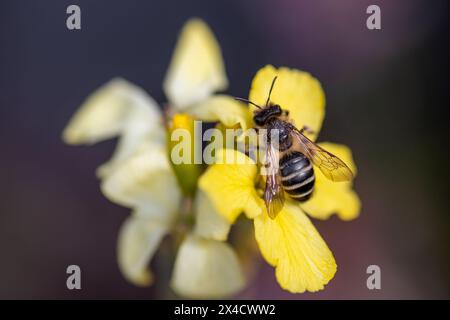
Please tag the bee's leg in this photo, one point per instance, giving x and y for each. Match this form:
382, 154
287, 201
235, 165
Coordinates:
306, 129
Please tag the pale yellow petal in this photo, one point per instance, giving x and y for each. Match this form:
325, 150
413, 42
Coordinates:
296, 91
197, 69
145, 182
224, 109
230, 184
110, 110
118, 108
206, 269
291, 243
208, 222
139, 238
334, 197
130, 141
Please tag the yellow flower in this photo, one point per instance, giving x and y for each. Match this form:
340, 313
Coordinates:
195, 73
163, 196
141, 176
289, 242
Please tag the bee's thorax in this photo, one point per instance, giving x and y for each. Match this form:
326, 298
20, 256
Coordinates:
279, 134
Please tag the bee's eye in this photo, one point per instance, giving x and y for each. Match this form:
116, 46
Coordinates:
259, 120
277, 109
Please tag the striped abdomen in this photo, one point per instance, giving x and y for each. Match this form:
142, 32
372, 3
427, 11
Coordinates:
297, 176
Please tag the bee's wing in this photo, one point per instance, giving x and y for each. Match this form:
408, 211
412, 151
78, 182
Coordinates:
331, 166
273, 193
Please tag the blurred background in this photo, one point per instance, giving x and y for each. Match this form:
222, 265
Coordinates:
387, 98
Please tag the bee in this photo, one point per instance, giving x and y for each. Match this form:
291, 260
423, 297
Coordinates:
289, 162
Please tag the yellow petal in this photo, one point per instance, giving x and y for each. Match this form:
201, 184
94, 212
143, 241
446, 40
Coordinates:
206, 269
145, 182
291, 243
222, 108
139, 238
187, 172
196, 69
208, 222
130, 141
110, 110
117, 108
230, 185
296, 91
334, 197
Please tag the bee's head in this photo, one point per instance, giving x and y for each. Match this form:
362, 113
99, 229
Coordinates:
264, 114
261, 116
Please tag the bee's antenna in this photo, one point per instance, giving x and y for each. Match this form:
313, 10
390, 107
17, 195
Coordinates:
248, 101
270, 91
